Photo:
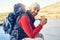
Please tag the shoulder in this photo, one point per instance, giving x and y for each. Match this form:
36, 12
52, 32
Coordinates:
24, 17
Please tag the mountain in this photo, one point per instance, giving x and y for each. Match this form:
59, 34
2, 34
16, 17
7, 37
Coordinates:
50, 11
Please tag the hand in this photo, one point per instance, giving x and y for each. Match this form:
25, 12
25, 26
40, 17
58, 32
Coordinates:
43, 21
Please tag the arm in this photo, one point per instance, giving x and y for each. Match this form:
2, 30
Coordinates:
25, 25
33, 26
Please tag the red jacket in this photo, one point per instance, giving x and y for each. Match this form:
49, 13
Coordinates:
24, 22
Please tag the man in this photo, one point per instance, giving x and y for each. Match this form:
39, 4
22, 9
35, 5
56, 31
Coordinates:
26, 22
19, 9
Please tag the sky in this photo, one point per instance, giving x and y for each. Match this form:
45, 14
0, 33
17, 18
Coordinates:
7, 5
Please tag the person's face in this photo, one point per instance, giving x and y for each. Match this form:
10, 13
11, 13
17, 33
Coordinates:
34, 11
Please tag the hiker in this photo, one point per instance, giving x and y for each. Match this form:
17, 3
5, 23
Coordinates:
10, 21
25, 23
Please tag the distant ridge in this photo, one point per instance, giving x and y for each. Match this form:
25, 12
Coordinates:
50, 11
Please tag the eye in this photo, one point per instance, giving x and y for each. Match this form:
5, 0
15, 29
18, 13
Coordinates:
37, 10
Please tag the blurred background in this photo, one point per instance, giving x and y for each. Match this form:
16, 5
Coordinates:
49, 8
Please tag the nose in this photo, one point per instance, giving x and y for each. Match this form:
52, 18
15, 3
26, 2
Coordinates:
36, 12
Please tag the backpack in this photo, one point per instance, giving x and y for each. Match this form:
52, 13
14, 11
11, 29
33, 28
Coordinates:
9, 22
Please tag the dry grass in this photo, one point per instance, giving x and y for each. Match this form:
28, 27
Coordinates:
2, 17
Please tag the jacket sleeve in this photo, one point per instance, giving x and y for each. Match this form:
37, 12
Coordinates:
25, 25
33, 26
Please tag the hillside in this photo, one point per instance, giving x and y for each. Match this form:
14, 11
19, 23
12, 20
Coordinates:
2, 17
51, 11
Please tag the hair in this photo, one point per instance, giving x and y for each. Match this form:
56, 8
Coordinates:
34, 5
